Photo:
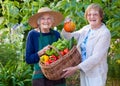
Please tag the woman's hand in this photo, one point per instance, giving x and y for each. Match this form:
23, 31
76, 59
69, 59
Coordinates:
41, 52
69, 71
67, 20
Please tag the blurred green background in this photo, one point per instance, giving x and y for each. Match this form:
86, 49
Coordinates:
14, 15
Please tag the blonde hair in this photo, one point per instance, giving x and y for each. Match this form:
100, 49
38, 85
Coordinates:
95, 7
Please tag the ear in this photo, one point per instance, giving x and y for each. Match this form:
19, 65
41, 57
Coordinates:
37, 26
38, 21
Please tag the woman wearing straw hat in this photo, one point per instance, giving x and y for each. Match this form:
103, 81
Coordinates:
38, 40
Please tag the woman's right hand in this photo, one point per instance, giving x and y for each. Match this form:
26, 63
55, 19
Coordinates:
69, 71
41, 52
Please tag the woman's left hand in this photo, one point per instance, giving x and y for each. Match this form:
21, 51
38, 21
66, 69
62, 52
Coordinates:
69, 71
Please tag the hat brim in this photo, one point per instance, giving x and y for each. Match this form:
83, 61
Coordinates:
58, 18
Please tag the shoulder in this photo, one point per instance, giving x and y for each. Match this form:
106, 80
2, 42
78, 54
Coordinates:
33, 33
84, 29
55, 32
105, 30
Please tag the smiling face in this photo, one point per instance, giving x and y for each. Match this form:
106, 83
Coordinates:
94, 18
94, 15
45, 22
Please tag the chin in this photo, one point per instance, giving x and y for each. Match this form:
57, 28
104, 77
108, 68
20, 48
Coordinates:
92, 24
46, 28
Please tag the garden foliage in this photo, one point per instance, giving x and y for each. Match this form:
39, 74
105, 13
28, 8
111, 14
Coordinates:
14, 15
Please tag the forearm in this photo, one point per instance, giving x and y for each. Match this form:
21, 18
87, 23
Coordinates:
32, 58
65, 34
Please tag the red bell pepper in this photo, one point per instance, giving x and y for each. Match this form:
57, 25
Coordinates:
52, 58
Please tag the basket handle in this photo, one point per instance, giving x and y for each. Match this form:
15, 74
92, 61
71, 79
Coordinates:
56, 50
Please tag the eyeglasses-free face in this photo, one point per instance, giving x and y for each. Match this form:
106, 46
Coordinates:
94, 18
46, 21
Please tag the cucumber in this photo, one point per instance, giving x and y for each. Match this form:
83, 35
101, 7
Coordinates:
71, 43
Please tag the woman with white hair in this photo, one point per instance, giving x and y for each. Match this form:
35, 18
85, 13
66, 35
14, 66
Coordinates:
93, 43
38, 40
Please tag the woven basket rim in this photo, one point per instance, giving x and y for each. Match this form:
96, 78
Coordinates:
59, 60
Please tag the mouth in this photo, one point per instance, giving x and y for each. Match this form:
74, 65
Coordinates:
92, 20
46, 24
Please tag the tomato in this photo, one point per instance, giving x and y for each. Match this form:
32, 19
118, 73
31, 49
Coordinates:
62, 53
66, 51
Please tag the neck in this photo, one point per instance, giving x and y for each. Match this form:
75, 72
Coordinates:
44, 30
96, 27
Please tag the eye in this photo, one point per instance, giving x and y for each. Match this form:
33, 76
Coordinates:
92, 14
48, 18
89, 15
95, 14
42, 18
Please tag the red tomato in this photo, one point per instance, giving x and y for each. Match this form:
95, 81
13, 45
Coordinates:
66, 50
62, 53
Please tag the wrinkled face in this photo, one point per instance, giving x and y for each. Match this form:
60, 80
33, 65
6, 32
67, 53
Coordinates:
46, 21
94, 18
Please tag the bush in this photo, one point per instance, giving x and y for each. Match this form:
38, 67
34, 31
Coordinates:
15, 74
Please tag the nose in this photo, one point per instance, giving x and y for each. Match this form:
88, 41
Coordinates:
45, 20
92, 16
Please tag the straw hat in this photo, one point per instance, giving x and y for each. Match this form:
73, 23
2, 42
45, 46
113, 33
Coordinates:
58, 17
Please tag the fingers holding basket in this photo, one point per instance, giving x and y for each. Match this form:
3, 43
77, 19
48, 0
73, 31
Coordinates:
41, 52
69, 71
46, 48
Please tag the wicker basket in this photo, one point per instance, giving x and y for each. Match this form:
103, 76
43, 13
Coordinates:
54, 70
